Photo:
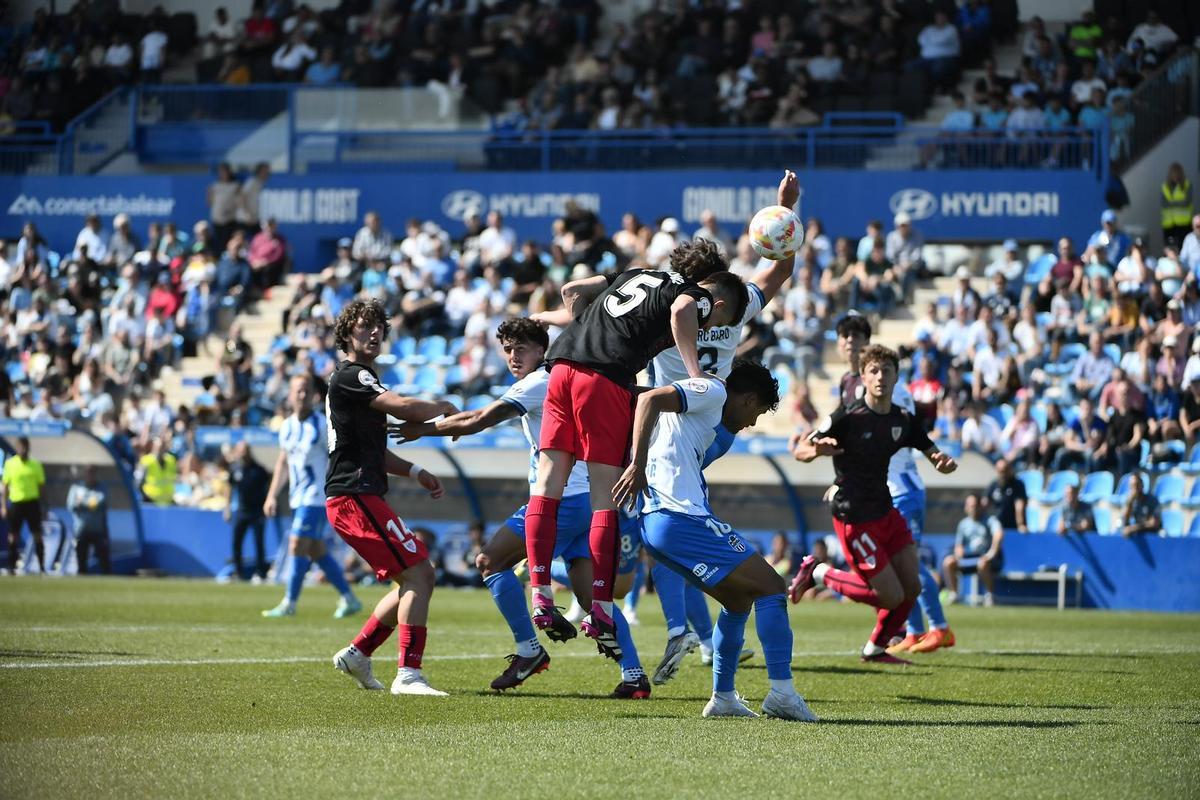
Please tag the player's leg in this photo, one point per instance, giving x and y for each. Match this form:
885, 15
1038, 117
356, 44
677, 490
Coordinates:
634, 685
318, 552
700, 620
258, 526
34, 520
104, 552
541, 528
83, 551
904, 570
951, 571
495, 564
240, 526
605, 545
629, 587
412, 615
298, 568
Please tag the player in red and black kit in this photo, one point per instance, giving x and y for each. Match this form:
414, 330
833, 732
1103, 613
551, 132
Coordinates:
620, 322
862, 438
356, 408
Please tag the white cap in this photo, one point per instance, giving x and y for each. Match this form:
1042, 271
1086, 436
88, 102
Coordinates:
962, 273
669, 225
902, 219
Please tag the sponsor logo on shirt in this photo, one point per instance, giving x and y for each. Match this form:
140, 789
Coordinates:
700, 569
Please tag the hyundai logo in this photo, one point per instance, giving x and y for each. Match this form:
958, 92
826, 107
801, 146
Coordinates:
458, 204
917, 203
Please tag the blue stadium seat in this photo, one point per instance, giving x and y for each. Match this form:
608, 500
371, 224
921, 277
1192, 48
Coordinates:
392, 378
1070, 352
1192, 465
429, 379
454, 376
1169, 488
1194, 528
405, 347
1113, 351
784, 376
478, 401
1052, 521
1033, 480
1037, 412
1033, 517
1057, 485
1104, 519
1123, 488
455, 346
432, 347
1039, 268
1097, 486
1192, 501
1172, 521
1171, 455
385, 359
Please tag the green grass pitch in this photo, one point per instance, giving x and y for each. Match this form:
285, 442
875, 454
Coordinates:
166, 688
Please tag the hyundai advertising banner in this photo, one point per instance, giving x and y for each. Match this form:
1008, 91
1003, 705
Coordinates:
314, 211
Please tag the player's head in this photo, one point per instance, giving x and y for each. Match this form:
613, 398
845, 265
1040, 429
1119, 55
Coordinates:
524, 344
360, 329
751, 391
730, 299
22, 446
879, 367
853, 334
300, 394
698, 259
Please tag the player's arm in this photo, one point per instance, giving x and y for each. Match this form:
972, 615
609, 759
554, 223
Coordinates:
770, 280
464, 423
558, 318
919, 440
277, 483
649, 406
402, 468
997, 540
685, 328
822, 441
577, 295
410, 409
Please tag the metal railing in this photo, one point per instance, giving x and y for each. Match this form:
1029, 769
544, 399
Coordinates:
98, 135
1159, 104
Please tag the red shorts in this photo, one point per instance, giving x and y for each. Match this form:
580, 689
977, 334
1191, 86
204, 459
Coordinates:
870, 546
368, 524
588, 415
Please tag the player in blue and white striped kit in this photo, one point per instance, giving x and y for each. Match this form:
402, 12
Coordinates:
302, 463
673, 427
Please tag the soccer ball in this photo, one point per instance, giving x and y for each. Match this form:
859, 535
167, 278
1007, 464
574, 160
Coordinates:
776, 233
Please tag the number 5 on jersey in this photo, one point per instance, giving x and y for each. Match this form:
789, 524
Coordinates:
630, 295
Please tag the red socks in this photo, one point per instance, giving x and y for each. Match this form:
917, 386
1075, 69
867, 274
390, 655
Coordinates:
541, 530
890, 622
373, 634
850, 584
412, 645
605, 546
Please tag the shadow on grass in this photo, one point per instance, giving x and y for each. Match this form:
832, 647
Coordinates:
944, 701
1025, 668
62, 655
833, 670
962, 723
519, 693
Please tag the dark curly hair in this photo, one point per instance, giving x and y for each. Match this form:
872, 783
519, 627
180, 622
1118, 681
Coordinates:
751, 376
877, 353
523, 329
697, 259
852, 322
368, 311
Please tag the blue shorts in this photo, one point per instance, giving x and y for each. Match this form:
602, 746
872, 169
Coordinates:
702, 549
574, 523
308, 522
631, 544
912, 507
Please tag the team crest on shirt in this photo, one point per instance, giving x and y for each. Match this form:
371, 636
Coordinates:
698, 386
896, 431
366, 378
736, 543
860, 391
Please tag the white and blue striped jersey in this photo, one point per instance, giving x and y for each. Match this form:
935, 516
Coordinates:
304, 441
528, 396
903, 478
674, 467
716, 347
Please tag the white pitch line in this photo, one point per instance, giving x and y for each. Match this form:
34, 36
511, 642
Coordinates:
204, 662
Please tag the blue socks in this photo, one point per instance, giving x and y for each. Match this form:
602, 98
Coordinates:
334, 574
929, 601
697, 611
671, 586
728, 638
300, 566
775, 635
635, 590
631, 665
509, 597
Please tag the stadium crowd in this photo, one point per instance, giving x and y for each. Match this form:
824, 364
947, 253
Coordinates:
730, 63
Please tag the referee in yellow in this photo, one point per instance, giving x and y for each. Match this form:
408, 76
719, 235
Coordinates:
21, 502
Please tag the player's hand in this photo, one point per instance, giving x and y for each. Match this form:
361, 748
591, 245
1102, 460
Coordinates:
405, 431
543, 318
430, 481
447, 408
789, 189
794, 440
944, 463
269, 507
630, 486
809, 449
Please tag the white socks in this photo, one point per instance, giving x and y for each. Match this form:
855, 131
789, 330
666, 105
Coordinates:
819, 573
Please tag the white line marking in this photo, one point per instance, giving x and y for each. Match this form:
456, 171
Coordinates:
204, 662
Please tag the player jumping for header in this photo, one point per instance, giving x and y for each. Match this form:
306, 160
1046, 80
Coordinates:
629, 317
862, 438
357, 407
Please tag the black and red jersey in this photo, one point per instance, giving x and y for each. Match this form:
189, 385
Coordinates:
627, 325
357, 432
851, 389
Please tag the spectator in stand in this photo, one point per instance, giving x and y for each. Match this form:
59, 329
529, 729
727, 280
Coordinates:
1075, 516
292, 58
1006, 498
1153, 34
250, 196
153, 52
1163, 407
234, 275
268, 256
118, 59
1189, 414
260, 30
1051, 441
123, 244
91, 242
1088, 82
873, 235
497, 241
710, 228
1173, 328
223, 200
324, 72
977, 543
980, 432
249, 483
1189, 253
1141, 512
1108, 395
1084, 435
1093, 369
939, 47
1177, 207
1085, 36
975, 25
87, 501
1020, 436
926, 389
1121, 449
826, 69
1009, 264
904, 247
953, 135
875, 282
372, 240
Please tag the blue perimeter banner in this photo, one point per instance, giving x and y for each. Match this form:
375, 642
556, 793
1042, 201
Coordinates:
314, 211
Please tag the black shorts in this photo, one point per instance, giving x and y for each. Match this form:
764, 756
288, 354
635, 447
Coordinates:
26, 513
